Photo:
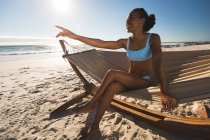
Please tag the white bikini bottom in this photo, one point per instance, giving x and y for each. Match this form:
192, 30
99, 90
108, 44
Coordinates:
147, 77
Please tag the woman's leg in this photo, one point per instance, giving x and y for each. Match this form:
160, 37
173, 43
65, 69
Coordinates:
113, 89
108, 78
128, 81
125, 79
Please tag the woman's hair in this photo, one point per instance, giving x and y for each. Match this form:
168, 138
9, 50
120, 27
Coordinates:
149, 19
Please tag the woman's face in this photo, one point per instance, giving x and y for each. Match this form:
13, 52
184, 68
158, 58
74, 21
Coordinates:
134, 22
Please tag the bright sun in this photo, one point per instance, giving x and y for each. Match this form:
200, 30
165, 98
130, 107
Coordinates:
62, 6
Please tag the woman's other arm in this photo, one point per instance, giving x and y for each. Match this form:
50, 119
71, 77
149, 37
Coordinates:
168, 102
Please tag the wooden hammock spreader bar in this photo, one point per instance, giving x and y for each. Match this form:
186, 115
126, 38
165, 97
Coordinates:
85, 82
191, 126
87, 85
68, 104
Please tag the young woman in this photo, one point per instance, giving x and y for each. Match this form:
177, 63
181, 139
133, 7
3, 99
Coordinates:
145, 65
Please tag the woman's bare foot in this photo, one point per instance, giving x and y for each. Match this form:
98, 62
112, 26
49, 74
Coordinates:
84, 109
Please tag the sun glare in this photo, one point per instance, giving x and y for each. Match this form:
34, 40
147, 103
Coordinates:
62, 6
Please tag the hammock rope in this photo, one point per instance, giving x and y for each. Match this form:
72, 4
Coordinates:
71, 49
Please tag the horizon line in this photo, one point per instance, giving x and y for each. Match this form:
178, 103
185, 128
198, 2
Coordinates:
57, 39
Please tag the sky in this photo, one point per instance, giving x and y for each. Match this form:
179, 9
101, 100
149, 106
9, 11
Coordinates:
176, 21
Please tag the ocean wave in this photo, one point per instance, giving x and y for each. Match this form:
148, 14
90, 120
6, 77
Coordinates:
26, 48
27, 53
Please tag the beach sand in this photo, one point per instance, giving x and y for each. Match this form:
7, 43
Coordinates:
31, 89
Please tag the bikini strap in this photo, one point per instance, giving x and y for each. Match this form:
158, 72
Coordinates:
148, 39
128, 43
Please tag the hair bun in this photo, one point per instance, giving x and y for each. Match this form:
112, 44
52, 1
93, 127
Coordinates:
149, 23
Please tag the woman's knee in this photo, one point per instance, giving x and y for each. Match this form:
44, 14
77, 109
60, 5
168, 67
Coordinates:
112, 74
116, 87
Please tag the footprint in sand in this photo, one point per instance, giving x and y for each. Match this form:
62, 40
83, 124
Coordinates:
48, 124
34, 91
14, 79
51, 74
17, 81
23, 72
67, 123
40, 86
11, 74
64, 137
13, 91
24, 68
59, 78
34, 129
109, 117
21, 85
118, 119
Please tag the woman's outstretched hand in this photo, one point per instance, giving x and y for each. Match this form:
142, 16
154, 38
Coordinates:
168, 103
67, 33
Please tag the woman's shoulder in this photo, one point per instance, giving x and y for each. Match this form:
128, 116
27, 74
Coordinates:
123, 41
154, 38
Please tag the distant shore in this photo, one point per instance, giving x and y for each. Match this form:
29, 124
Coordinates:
181, 44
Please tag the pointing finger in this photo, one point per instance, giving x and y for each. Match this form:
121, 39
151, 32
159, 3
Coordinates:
60, 27
58, 35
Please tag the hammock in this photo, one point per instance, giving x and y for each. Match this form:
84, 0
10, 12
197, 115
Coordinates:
188, 74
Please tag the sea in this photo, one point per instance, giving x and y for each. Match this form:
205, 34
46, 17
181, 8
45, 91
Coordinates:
11, 50
39, 49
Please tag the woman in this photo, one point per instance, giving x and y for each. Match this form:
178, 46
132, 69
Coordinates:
145, 64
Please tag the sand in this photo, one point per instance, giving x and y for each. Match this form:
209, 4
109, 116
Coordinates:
31, 89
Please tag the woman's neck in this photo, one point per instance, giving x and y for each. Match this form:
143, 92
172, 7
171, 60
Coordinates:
139, 35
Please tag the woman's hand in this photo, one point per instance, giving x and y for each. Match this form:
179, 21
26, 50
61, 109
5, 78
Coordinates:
67, 33
168, 103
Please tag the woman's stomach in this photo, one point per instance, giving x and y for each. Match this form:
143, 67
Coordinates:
139, 68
